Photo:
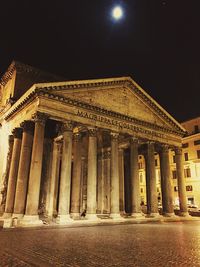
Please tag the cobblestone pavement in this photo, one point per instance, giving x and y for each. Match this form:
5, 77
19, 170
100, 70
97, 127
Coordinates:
154, 244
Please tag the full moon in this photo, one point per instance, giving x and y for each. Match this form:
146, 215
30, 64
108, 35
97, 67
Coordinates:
117, 12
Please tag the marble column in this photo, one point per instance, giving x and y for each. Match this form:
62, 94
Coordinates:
152, 200
121, 181
92, 175
114, 209
12, 180
181, 182
76, 177
5, 175
166, 182
100, 182
53, 187
24, 167
31, 214
65, 177
135, 184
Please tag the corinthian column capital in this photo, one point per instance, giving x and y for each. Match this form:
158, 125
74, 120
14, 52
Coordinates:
17, 133
92, 131
114, 136
178, 150
134, 140
40, 117
164, 148
27, 126
67, 126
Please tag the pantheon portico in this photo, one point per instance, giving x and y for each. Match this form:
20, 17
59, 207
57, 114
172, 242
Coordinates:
69, 147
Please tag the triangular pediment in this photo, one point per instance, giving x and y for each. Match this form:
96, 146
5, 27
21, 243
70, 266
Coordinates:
121, 95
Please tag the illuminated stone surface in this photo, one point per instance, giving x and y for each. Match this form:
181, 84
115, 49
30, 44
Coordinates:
163, 245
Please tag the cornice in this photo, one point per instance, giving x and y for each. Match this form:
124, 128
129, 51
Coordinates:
121, 81
89, 107
48, 89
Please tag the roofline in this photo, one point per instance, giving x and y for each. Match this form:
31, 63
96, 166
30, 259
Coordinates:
195, 118
156, 103
126, 81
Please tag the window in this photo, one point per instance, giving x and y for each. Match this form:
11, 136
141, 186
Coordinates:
140, 157
187, 172
174, 159
189, 188
186, 156
141, 190
196, 128
175, 188
174, 175
198, 154
141, 178
140, 165
156, 162
185, 145
197, 142
158, 190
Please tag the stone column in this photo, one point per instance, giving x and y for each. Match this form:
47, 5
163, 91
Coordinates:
115, 212
166, 182
24, 167
65, 177
76, 177
135, 184
121, 181
5, 175
100, 183
53, 187
106, 187
92, 175
181, 182
12, 180
152, 200
31, 215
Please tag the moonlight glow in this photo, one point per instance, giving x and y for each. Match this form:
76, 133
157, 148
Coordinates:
117, 13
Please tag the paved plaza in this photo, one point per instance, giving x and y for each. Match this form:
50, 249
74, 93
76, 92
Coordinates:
163, 244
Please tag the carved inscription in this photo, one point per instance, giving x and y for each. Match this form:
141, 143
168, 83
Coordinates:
118, 124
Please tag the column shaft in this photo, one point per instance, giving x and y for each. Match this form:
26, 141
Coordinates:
134, 171
54, 179
92, 173
12, 180
152, 201
121, 181
114, 176
76, 176
65, 178
166, 182
36, 166
24, 167
181, 181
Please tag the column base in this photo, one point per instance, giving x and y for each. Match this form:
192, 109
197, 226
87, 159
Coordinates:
137, 215
30, 220
169, 214
116, 216
155, 215
17, 215
7, 215
8, 223
92, 217
184, 214
75, 216
63, 219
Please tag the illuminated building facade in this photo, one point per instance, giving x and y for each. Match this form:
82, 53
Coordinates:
72, 146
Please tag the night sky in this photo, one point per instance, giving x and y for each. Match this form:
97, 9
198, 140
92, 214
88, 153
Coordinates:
156, 42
